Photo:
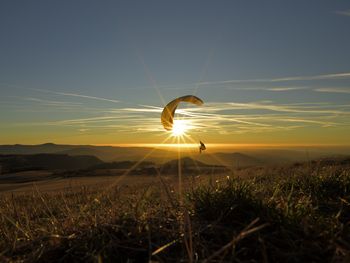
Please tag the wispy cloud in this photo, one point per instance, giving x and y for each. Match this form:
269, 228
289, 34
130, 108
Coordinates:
76, 95
343, 13
277, 89
35, 104
284, 79
53, 102
285, 88
273, 107
142, 110
215, 117
333, 90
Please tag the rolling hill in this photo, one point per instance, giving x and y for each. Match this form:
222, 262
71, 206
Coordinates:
14, 163
189, 165
105, 153
231, 159
238, 158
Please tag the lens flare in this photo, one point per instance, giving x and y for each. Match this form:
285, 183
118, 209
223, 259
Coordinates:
179, 128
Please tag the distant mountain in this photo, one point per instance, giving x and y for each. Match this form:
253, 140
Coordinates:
287, 156
124, 165
33, 149
231, 159
241, 158
92, 151
111, 154
189, 165
336, 160
185, 162
14, 163
105, 153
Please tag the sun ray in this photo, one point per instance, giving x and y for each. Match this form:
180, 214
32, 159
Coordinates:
213, 156
194, 160
179, 171
136, 164
121, 177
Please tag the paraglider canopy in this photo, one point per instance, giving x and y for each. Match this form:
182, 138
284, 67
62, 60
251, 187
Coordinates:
167, 117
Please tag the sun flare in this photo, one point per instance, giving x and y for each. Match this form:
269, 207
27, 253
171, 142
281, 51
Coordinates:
179, 128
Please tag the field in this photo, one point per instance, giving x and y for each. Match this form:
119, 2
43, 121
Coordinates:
292, 213
58, 184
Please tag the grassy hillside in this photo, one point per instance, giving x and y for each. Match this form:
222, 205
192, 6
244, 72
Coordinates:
18, 162
298, 213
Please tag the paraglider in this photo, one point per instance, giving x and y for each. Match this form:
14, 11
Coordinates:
201, 147
167, 117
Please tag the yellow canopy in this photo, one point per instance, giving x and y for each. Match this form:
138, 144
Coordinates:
168, 112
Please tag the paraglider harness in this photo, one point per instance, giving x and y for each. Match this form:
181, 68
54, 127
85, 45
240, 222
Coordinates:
201, 147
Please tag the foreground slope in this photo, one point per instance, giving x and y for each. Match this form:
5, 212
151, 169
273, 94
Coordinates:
298, 213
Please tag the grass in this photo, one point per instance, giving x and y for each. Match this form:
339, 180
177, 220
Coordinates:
286, 214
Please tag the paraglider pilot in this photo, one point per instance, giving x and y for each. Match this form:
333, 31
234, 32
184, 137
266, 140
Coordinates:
201, 147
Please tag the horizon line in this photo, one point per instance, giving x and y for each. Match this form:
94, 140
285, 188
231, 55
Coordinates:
189, 145
219, 145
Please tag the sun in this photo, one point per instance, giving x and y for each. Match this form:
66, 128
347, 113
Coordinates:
179, 128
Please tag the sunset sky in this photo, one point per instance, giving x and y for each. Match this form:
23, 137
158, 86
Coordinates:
100, 72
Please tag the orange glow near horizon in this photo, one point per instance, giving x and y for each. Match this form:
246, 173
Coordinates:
219, 145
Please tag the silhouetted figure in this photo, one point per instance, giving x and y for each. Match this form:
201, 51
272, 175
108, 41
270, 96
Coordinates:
201, 147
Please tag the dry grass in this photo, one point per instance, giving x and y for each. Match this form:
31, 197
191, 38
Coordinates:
290, 214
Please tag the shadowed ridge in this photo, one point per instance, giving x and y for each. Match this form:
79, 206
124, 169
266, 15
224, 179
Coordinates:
14, 163
235, 159
189, 165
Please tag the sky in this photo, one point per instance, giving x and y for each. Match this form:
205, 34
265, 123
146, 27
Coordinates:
100, 72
